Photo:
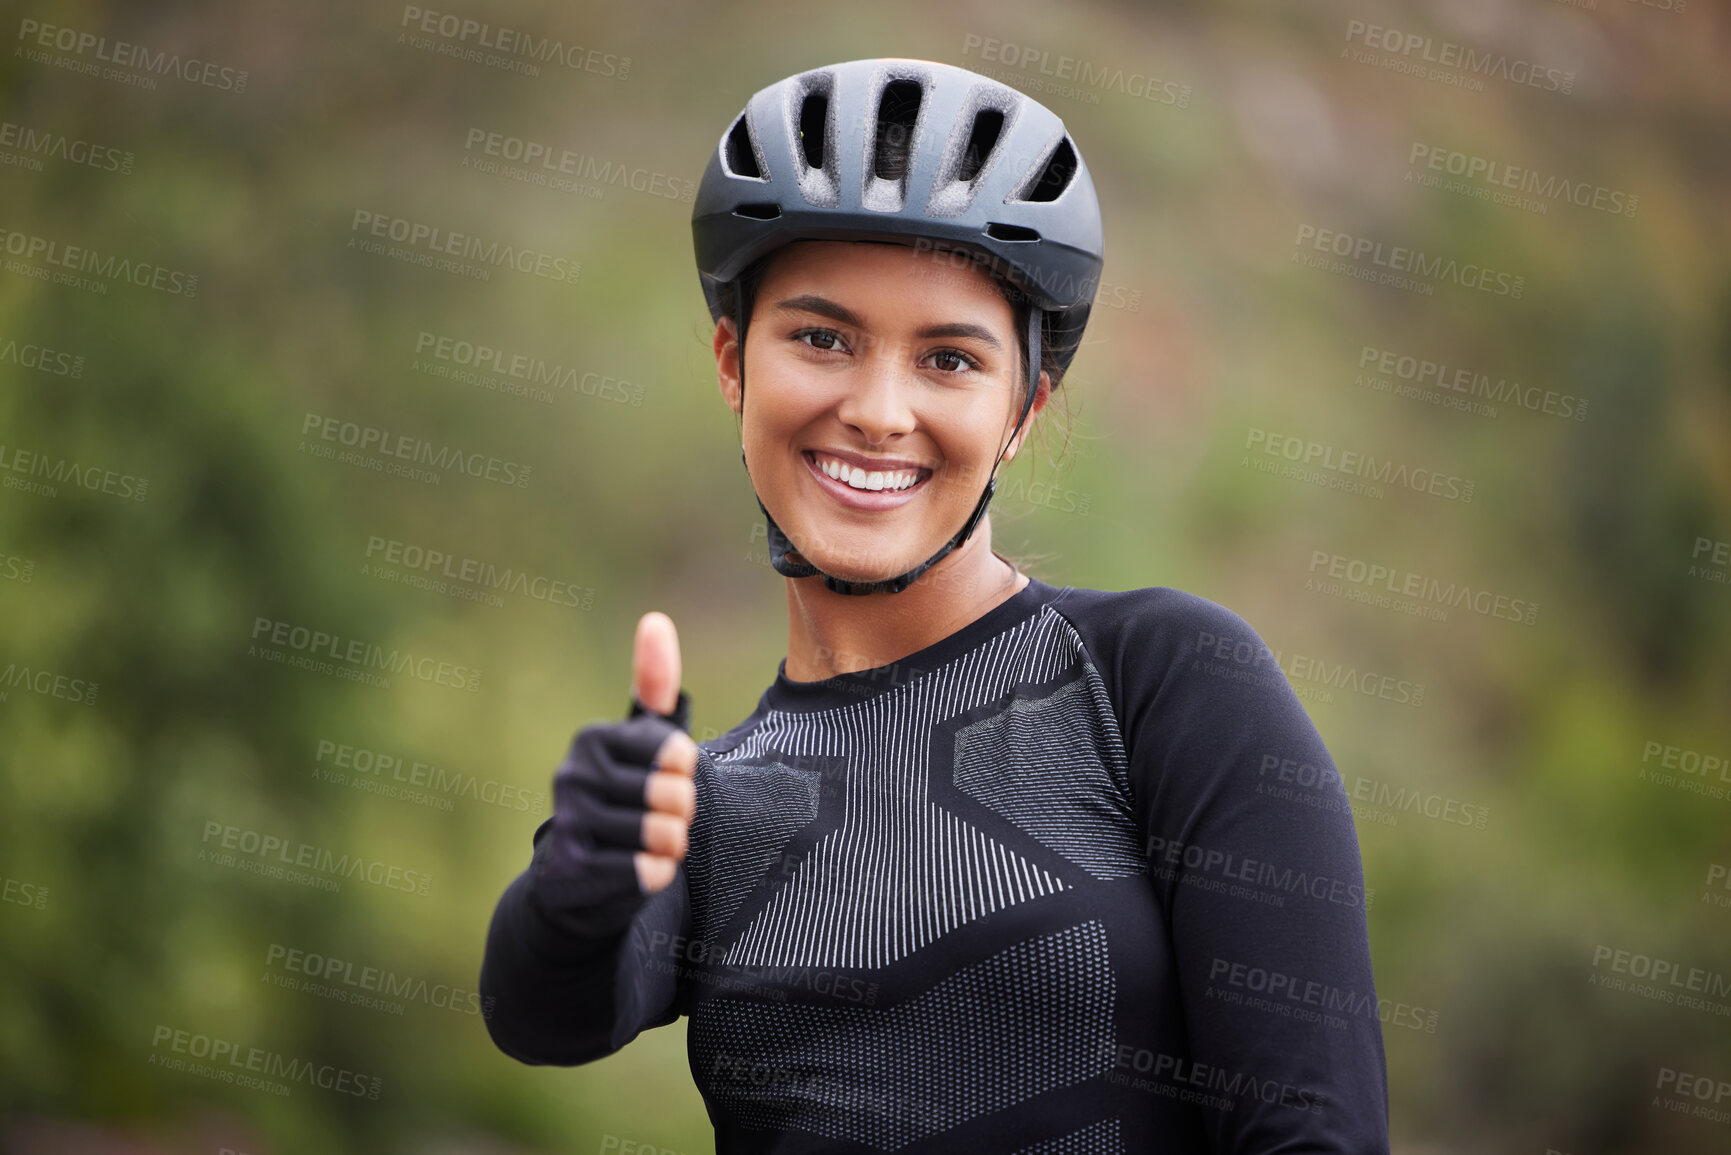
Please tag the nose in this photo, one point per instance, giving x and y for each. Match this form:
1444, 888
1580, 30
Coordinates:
879, 401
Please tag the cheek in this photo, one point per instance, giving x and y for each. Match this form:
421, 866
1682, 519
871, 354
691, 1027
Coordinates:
963, 474
972, 437
774, 413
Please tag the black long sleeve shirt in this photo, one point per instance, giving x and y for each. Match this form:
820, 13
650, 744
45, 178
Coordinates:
1080, 877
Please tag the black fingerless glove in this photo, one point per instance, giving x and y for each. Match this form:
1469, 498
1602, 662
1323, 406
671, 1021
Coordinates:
584, 868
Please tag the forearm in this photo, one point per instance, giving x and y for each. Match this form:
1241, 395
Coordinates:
572, 968
551, 994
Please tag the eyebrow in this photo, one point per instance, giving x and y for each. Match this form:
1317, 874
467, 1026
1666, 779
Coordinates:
824, 307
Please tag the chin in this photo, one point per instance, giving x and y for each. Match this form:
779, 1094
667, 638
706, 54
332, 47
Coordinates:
855, 561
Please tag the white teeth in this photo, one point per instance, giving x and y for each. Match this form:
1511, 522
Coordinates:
858, 478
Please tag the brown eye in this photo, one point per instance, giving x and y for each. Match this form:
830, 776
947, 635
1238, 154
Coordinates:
827, 334
966, 362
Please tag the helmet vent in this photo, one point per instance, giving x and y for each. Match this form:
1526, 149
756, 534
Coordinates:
1055, 177
999, 231
988, 123
813, 114
759, 212
898, 109
740, 156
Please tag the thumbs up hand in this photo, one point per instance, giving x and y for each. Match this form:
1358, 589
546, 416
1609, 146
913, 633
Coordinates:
670, 792
624, 797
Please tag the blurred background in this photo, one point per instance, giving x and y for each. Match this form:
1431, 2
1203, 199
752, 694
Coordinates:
356, 399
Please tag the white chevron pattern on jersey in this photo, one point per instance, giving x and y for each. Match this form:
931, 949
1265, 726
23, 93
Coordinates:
1035, 1017
1048, 766
899, 871
750, 812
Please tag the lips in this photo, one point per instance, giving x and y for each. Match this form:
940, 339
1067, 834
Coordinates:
864, 499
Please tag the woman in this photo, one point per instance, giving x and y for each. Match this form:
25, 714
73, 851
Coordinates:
993, 865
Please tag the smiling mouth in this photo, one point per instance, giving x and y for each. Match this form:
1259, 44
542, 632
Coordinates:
853, 486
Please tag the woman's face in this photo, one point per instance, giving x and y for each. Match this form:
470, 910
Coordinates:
880, 364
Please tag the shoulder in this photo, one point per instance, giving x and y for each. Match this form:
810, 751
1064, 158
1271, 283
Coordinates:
1167, 656
1159, 626
1193, 686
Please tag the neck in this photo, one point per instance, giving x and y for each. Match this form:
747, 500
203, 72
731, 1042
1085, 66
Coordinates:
830, 633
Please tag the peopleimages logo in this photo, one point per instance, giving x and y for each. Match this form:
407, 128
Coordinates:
1396, 261
57, 471
385, 556
1438, 381
395, 775
1669, 980
1253, 662
1513, 184
542, 162
229, 1062
35, 36
29, 355
1169, 859
1284, 993
273, 851
401, 446
482, 43
1054, 282
330, 977
1416, 50
48, 683
16, 569
1141, 85
54, 260
443, 243
34, 145
1348, 464
302, 647
21, 893
1383, 579
1235, 1086
533, 371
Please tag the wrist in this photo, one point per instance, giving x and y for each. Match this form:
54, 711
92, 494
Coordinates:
680, 716
569, 923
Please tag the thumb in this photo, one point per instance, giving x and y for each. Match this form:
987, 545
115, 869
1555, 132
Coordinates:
655, 663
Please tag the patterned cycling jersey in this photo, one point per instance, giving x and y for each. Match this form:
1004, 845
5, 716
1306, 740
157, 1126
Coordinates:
1080, 877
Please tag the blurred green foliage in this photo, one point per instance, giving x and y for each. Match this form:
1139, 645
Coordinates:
121, 923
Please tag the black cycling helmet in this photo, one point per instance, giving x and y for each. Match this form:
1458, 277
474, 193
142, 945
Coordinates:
905, 151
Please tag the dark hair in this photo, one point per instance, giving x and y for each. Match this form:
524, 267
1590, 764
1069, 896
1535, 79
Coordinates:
743, 289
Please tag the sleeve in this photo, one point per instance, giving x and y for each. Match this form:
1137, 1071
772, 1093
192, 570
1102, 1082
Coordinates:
554, 997
1253, 854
